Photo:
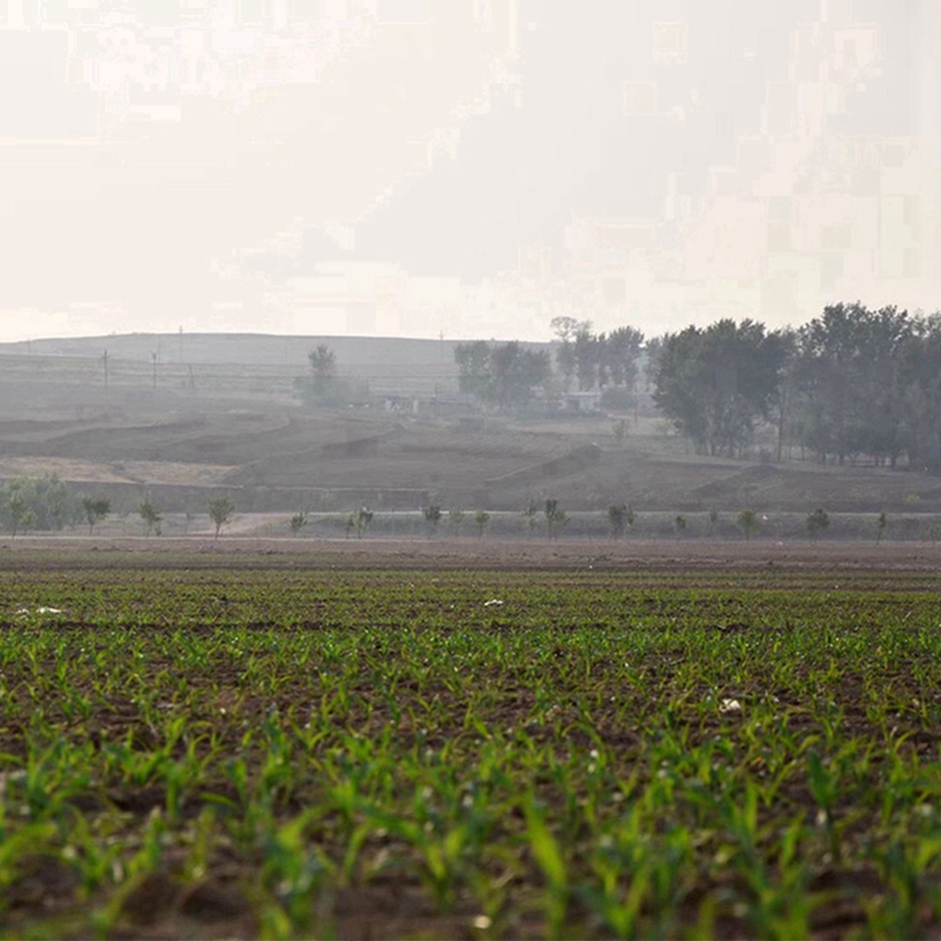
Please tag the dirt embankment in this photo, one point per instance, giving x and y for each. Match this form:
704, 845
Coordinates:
576, 460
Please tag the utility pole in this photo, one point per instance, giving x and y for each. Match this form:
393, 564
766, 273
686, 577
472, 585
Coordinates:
154, 358
105, 360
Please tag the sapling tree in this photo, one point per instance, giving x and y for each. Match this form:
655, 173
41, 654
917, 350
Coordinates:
881, 523
150, 514
817, 524
455, 520
555, 518
749, 522
617, 519
481, 521
95, 509
220, 511
363, 518
432, 514
298, 522
529, 514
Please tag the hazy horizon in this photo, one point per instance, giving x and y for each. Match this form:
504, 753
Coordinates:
427, 168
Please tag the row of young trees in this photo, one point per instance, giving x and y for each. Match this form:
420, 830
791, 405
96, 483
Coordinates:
46, 504
550, 515
621, 517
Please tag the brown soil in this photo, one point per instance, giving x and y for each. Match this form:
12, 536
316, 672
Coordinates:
446, 553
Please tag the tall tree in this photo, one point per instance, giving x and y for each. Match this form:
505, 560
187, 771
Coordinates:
847, 382
516, 373
505, 375
473, 365
566, 330
323, 362
919, 363
585, 351
715, 383
622, 349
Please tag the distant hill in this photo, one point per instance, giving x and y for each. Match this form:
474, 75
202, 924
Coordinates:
242, 349
224, 364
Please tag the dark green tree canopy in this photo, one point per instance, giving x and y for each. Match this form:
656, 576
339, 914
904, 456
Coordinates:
505, 375
715, 383
847, 380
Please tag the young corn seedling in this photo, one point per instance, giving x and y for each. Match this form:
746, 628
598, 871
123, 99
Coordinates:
547, 855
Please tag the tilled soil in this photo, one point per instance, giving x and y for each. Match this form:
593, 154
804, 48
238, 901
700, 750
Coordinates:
449, 554
196, 752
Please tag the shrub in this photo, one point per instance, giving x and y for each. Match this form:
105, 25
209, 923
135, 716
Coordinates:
817, 523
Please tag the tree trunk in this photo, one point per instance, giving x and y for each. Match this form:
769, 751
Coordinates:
782, 416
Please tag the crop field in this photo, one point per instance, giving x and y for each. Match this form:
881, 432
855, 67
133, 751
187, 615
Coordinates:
213, 753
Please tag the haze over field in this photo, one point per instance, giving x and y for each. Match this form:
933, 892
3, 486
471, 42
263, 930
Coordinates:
466, 168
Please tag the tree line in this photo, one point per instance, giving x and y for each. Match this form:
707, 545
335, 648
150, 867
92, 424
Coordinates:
509, 375
604, 360
852, 382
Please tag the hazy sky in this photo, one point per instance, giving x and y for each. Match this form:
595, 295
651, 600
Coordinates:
465, 167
